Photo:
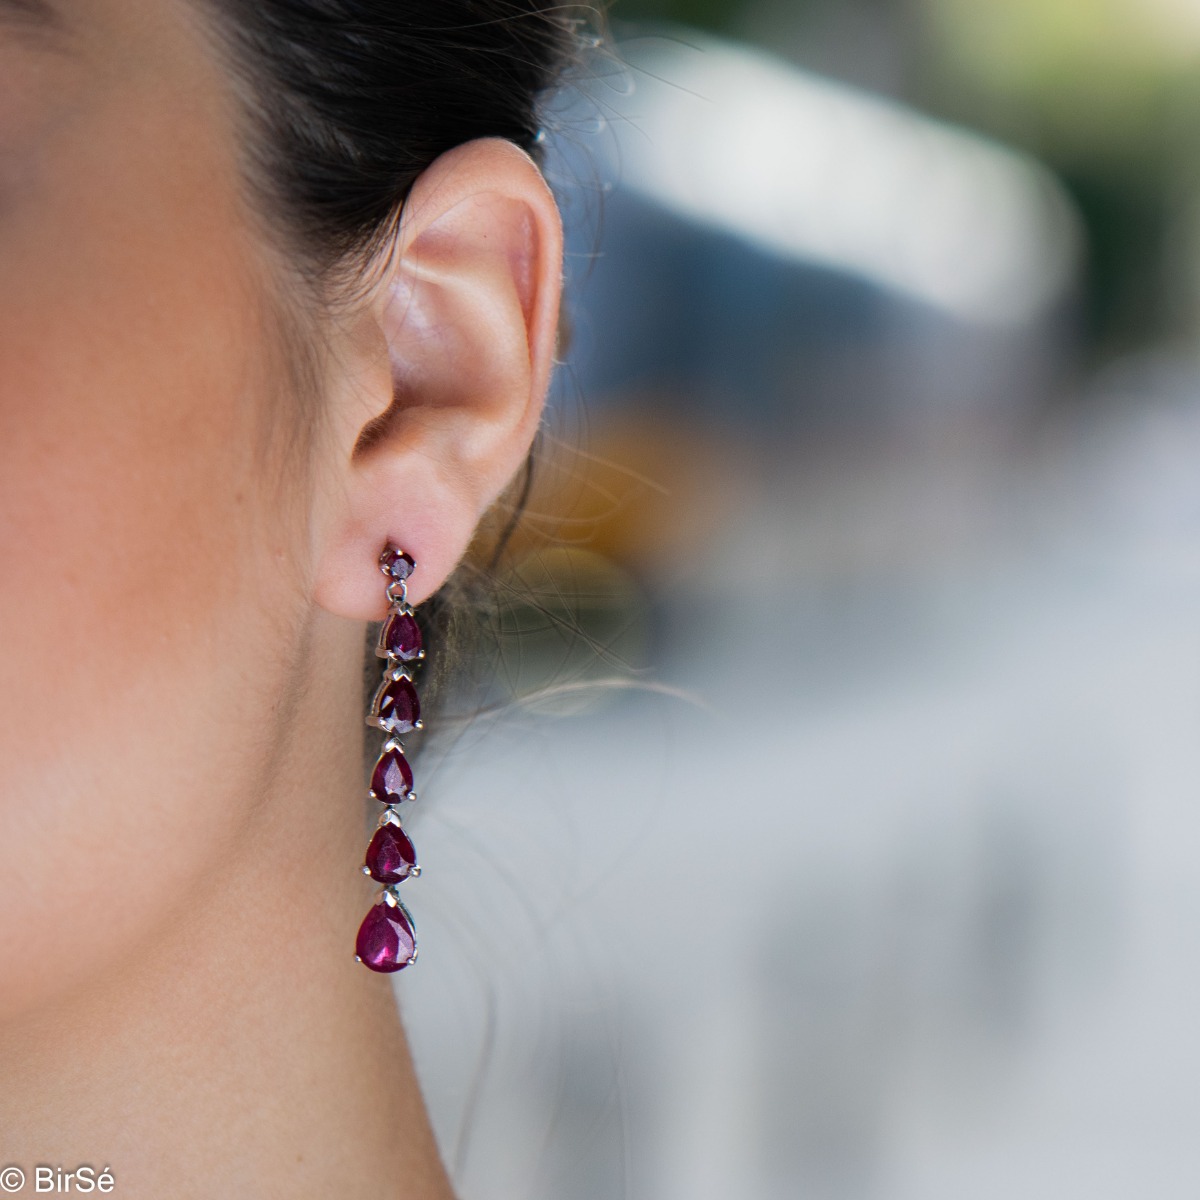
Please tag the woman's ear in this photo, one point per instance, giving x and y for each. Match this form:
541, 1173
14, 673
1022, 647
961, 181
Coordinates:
440, 373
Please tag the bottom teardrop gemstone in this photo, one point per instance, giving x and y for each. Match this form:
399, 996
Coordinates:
386, 939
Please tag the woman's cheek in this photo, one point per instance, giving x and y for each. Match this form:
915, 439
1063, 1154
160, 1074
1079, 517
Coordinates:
144, 620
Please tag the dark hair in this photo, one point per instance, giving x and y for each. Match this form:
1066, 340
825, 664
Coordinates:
348, 101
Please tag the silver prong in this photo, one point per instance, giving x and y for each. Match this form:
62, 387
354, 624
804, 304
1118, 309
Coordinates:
414, 871
366, 870
418, 724
411, 796
357, 959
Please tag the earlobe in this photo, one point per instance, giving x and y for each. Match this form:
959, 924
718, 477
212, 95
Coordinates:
450, 360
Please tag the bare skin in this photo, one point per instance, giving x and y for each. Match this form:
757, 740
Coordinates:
182, 599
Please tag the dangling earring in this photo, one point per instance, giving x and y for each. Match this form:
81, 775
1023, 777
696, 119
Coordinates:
387, 939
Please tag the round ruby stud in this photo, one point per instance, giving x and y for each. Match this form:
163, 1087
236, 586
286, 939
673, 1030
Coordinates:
396, 563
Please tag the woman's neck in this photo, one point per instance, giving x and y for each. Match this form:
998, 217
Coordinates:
243, 1052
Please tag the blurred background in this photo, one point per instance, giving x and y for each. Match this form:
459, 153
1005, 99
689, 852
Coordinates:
832, 830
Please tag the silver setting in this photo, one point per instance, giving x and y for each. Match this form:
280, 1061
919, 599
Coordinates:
373, 713
394, 660
409, 795
392, 900
387, 797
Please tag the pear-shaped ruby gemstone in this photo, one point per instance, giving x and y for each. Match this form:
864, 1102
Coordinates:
390, 856
386, 940
402, 636
397, 707
392, 779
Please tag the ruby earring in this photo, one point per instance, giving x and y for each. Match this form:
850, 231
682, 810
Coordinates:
387, 938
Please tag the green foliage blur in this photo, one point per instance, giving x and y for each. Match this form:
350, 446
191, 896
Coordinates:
1105, 92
